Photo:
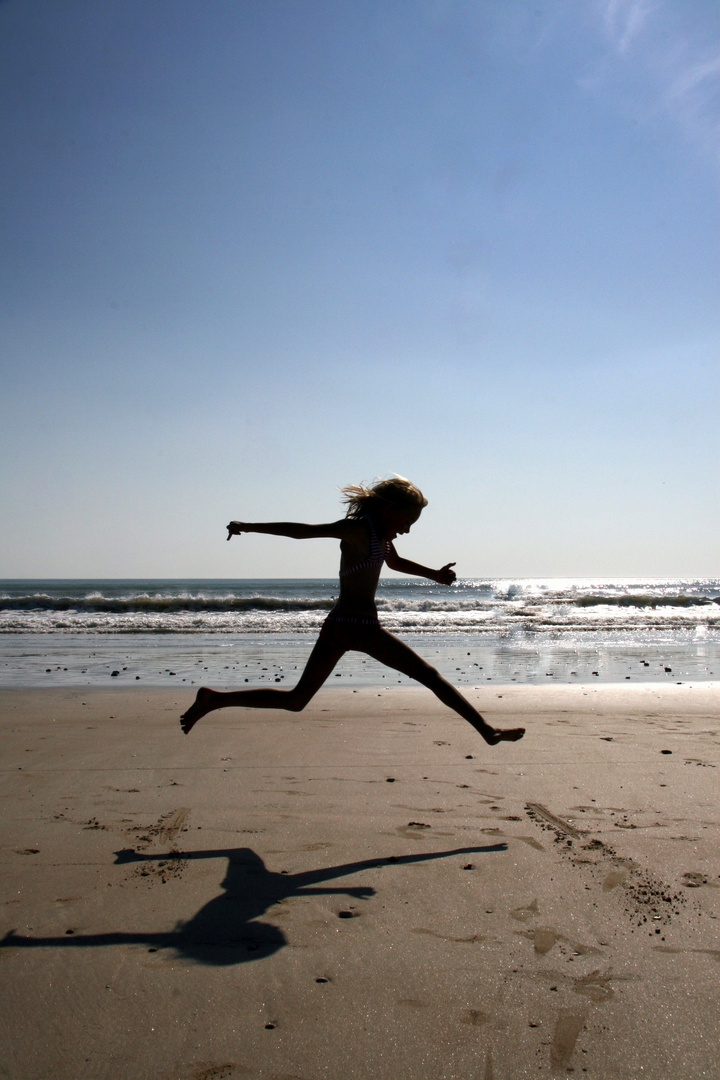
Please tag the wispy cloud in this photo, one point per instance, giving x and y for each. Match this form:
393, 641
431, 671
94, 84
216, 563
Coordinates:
624, 20
661, 64
693, 96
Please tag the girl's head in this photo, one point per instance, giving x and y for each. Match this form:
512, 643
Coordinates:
395, 503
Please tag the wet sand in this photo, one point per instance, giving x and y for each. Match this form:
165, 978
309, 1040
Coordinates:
362, 890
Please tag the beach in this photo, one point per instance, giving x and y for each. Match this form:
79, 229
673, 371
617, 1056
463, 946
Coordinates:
365, 889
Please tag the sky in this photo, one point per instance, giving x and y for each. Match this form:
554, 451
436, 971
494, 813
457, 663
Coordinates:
254, 250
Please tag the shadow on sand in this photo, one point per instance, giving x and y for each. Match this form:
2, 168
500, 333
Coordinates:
226, 930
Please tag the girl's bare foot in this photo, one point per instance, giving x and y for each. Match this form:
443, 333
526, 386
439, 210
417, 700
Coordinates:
202, 704
496, 735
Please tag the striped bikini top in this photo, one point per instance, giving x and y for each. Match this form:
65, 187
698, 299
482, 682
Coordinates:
378, 551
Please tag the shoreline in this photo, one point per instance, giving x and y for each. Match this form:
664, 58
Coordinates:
522, 690
64, 659
303, 894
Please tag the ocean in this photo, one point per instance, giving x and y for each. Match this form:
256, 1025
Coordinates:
228, 632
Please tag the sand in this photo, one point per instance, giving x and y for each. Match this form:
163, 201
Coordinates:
362, 890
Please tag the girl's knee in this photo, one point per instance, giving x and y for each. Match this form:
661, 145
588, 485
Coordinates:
440, 686
297, 700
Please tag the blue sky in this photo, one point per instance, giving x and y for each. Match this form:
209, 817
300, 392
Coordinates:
253, 251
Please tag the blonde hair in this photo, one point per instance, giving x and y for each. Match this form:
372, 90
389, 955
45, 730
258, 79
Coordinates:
396, 492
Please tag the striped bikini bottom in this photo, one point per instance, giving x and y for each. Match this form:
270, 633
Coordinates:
338, 621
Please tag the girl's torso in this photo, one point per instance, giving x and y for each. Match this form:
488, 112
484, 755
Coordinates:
362, 557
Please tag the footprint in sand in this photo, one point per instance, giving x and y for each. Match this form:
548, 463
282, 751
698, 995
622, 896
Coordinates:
522, 914
694, 880
531, 841
715, 953
446, 937
543, 938
165, 831
169, 825
220, 1071
475, 1017
537, 811
414, 830
568, 1026
613, 879
594, 986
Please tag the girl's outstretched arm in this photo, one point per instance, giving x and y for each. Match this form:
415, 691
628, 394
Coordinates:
296, 530
444, 576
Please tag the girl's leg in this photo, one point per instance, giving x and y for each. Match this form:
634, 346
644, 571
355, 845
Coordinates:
389, 650
321, 661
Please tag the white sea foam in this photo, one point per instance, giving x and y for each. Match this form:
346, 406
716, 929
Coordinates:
482, 629
480, 605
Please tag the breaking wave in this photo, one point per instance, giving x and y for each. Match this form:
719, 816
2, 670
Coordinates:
289, 606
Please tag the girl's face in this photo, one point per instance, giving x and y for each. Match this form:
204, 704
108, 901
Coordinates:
397, 522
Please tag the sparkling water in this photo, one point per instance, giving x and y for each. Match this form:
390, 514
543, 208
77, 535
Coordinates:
225, 631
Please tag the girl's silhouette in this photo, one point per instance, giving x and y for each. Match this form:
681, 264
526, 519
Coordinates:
375, 517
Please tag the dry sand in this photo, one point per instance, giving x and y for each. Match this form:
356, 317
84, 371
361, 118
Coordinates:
362, 890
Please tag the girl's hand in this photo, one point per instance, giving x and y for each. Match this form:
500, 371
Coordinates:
235, 528
446, 575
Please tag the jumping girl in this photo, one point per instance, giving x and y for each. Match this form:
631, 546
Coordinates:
375, 517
